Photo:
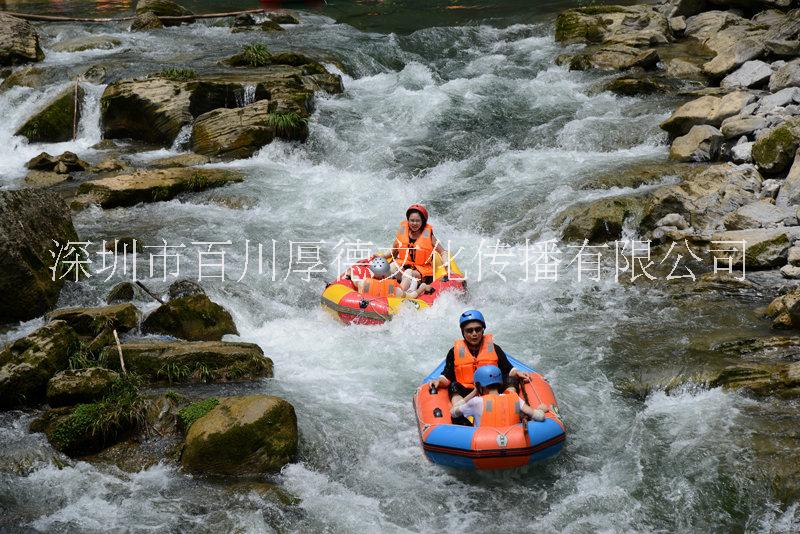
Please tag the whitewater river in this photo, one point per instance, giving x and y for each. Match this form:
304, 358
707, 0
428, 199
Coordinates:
465, 111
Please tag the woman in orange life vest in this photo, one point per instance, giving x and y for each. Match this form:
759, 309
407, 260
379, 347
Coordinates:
415, 243
384, 284
492, 407
467, 355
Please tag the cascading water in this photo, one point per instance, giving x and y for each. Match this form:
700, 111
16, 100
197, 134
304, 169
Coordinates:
479, 124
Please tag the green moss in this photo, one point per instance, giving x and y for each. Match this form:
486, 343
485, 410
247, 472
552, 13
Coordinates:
197, 181
90, 427
76, 427
174, 396
195, 411
177, 74
775, 151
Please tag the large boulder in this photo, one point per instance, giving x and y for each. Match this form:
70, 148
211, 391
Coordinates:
615, 57
154, 185
152, 110
789, 193
774, 151
194, 317
239, 133
704, 196
71, 387
63, 164
734, 39
762, 248
599, 221
182, 361
19, 42
57, 120
163, 8
92, 321
27, 364
702, 143
31, 220
639, 26
708, 109
242, 436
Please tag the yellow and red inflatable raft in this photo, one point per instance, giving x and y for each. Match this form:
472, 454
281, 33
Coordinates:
341, 297
487, 447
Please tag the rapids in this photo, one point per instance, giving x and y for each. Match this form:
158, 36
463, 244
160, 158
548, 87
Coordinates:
472, 118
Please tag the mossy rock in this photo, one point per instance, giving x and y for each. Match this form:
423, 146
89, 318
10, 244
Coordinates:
122, 292
194, 318
27, 364
599, 221
573, 27
270, 26
631, 86
774, 152
178, 362
72, 387
283, 18
54, 124
91, 321
242, 436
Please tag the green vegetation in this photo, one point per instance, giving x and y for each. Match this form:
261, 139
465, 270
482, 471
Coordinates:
177, 74
174, 372
195, 411
287, 124
197, 181
90, 426
256, 55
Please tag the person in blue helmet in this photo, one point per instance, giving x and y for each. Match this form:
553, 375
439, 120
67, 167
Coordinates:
473, 351
493, 407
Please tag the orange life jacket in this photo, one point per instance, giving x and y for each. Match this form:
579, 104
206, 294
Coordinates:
500, 409
380, 288
420, 254
466, 363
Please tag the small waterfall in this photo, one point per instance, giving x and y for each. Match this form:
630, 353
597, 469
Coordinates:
181, 142
247, 96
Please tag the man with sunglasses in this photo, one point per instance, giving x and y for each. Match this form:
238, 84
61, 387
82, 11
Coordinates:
475, 350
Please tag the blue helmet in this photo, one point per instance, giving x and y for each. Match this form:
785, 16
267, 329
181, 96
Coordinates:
486, 375
471, 315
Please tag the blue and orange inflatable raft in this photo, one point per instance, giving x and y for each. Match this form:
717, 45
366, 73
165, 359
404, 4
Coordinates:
342, 298
487, 447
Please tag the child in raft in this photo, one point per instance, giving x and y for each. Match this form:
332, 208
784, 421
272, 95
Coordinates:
384, 283
491, 407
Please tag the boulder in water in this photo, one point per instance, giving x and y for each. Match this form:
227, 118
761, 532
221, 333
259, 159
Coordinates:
707, 109
194, 317
639, 26
122, 292
28, 363
92, 321
71, 387
239, 133
191, 361
185, 288
599, 221
92, 42
154, 185
283, 18
31, 220
55, 123
615, 57
164, 8
19, 42
764, 248
242, 436
63, 164
146, 21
